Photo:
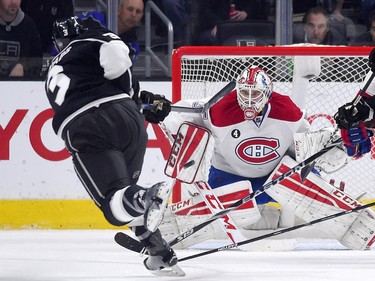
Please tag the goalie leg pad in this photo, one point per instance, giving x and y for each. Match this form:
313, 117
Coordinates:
174, 225
361, 234
192, 211
314, 199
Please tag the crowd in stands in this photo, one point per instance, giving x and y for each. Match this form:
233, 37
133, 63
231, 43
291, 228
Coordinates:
26, 26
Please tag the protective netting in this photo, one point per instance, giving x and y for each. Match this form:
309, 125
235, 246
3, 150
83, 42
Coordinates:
339, 79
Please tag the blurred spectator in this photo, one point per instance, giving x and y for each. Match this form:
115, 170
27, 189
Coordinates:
366, 8
130, 13
20, 45
333, 8
177, 11
44, 13
248, 10
213, 11
317, 29
367, 38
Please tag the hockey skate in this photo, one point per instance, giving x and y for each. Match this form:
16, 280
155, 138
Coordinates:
156, 200
162, 260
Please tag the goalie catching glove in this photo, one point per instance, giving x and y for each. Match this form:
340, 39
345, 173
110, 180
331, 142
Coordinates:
157, 107
308, 143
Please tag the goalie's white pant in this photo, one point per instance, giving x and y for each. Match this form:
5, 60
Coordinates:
193, 210
315, 198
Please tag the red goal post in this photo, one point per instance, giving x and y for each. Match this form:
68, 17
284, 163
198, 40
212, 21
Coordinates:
318, 78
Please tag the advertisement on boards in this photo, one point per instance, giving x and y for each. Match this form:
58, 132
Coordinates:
33, 161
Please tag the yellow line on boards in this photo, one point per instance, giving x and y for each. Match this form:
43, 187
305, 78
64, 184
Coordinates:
51, 214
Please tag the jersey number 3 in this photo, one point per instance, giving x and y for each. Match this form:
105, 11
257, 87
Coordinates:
58, 83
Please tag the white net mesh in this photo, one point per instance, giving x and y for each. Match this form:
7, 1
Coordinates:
204, 72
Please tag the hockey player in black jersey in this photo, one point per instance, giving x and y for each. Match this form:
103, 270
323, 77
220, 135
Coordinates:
97, 113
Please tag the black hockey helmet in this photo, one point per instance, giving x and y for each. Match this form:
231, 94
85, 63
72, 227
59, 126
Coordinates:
65, 30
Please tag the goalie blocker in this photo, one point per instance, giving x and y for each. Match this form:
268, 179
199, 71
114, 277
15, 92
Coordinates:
315, 198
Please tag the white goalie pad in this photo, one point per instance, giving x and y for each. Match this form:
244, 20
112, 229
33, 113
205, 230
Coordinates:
191, 211
187, 152
315, 198
308, 143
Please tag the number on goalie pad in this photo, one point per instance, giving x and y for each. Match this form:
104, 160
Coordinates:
187, 152
315, 198
307, 144
191, 211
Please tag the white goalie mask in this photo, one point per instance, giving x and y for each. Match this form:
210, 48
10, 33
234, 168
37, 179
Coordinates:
254, 88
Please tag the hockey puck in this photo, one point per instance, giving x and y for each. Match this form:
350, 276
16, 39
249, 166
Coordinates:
189, 164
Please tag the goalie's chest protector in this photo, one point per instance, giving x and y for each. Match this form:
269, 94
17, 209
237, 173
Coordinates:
253, 148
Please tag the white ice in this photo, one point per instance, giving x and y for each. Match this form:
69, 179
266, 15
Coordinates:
82, 255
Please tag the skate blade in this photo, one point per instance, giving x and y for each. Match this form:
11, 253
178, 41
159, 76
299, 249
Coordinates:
170, 271
155, 215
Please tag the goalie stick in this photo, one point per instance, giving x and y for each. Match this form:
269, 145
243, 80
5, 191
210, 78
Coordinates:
224, 91
132, 244
119, 238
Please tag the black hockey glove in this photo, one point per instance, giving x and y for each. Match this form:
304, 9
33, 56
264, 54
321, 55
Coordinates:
157, 107
371, 60
348, 117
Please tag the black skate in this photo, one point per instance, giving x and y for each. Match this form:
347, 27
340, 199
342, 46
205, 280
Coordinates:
162, 260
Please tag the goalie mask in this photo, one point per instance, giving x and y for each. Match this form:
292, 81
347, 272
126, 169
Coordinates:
66, 30
254, 88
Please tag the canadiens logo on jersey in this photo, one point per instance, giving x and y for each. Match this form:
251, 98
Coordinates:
258, 150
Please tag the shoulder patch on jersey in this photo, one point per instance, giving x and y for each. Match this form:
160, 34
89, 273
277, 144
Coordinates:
283, 108
227, 111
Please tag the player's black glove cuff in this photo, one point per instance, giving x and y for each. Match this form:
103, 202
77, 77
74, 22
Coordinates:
349, 116
157, 107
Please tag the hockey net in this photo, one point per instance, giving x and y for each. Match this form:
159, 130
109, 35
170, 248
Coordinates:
200, 72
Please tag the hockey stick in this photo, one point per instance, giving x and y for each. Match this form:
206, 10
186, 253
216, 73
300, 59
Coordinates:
363, 91
224, 91
278, 232
247, 198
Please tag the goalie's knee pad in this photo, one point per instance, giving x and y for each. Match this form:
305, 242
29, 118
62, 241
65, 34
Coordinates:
228, 194
270, 217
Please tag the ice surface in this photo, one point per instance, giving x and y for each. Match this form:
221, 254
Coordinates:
82, 255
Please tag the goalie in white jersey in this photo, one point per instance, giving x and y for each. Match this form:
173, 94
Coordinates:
254, 128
